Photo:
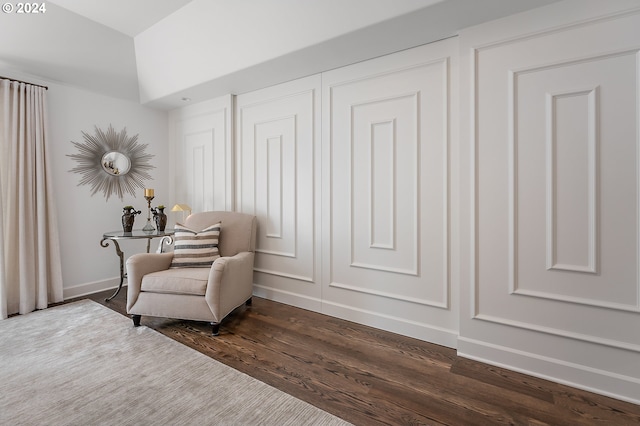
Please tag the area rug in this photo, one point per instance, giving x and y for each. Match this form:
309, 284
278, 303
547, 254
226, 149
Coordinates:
84, 364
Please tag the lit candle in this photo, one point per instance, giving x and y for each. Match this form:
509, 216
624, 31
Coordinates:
148, 192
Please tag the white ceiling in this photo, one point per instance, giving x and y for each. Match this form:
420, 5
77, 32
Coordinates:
130, 17
159, 51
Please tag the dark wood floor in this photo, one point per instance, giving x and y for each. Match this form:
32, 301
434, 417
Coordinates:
368, 376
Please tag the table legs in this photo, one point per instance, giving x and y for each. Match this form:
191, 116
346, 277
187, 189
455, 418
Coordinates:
168, 240
121, 256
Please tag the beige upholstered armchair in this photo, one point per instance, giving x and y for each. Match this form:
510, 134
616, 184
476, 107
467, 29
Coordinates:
164, 285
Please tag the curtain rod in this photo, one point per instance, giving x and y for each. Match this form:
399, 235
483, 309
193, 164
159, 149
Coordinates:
25, 82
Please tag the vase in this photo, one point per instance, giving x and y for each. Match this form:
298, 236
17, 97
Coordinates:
128, 217
160, 218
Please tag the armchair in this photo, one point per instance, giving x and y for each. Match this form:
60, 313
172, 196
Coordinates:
196, 293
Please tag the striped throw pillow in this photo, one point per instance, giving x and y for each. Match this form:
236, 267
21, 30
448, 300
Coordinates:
193, 249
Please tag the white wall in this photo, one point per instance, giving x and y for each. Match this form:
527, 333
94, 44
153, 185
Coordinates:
550, 218
62, 46
202, 155
218, 47
210, 30
82, 218
509, 231
387, 134
278, 179
349, 174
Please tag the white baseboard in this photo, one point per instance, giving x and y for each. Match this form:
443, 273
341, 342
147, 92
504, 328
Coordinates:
575, 375
395, 325
90, 288
420, 331
288, 298
417, 330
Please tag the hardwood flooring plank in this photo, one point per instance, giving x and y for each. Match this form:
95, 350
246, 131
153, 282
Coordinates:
596, 409
502, 378
578, 403
401, 378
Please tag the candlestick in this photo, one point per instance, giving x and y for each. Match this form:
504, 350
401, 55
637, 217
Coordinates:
148, 192
148, 227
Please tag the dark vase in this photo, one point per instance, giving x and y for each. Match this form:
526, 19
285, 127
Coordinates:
160, 219
128, 217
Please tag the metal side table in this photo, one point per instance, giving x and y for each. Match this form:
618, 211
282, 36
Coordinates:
136, 234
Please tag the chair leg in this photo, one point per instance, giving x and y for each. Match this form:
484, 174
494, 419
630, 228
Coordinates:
248, 302
215, 328
136, 320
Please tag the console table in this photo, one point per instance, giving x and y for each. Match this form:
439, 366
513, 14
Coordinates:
136, 234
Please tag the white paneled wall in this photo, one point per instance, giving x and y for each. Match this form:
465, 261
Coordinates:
385, 201
386, 134
278, 180
494, 208
553, 285
203, 155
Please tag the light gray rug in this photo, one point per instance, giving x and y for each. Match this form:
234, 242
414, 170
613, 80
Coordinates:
83, 364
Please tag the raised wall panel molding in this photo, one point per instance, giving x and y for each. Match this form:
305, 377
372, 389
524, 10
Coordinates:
381, 173
590, 100
276, 143
275, 198
204, 137
554, 178
592, 145
581, 153
274, 186
382, 233
473, 126
554, 196
386, 125
198, 171
474, 208
374, 108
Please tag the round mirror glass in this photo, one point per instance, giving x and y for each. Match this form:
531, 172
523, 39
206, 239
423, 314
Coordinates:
116, 163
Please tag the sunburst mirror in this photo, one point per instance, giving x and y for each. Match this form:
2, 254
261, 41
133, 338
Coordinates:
111, 162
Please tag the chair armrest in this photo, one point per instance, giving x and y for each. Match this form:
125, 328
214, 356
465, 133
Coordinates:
230, 283
138, 266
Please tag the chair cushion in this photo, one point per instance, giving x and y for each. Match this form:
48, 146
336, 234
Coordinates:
177, 281
195, 249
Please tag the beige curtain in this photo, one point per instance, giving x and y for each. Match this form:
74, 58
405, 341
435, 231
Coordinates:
30, 271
